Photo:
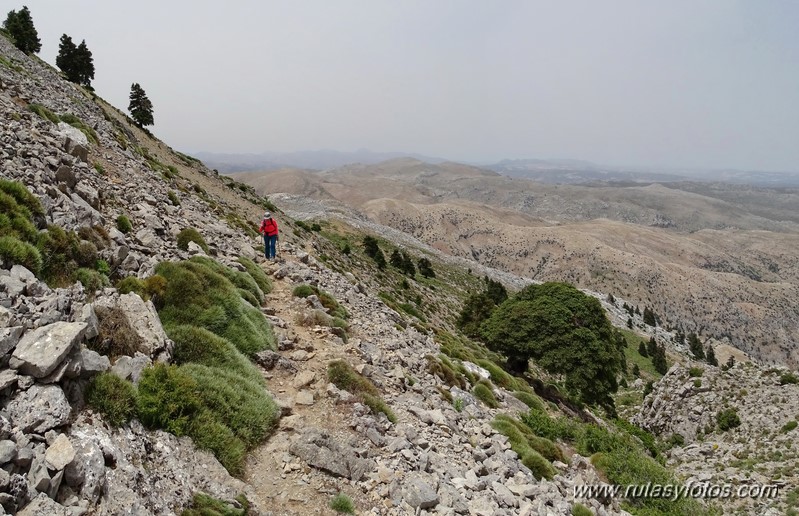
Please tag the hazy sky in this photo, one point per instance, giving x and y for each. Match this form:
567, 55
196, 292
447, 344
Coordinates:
666, 83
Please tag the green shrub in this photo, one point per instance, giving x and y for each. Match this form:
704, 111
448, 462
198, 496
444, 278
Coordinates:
728, 419
482, 392
593, 439
342, 503
208, 433
197, 295
697, 383
131, 284
25, 201
198, 345
173, 198
540, 467
302, 291
123, 224
43, 112
113, 397
579, 509
676, 439
102, 267
498, 375
240, 403
787, 427
695, 372
257, 274
187, 235
543, 425
99, 168
645, 437
343, 376
168, 398
444, 369
240, 279
788, 378
17, 252
91, 279
531, 400
521, 438
204, 505
377, 405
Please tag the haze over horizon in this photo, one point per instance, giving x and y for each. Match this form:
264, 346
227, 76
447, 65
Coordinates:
709, 84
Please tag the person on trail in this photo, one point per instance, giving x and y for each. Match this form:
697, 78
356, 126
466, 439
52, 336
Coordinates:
269, 230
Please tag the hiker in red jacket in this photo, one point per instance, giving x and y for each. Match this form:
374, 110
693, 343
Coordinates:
269, 230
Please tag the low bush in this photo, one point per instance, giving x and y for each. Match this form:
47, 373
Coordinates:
115, 336
787, 427
342, 503
168, 398
204, 505
78, 124
91, 280
540, 467
552, 428
498, 375
728, 419
198, 345
529, 399
443, 368
208, 433
15, 251
173, 198
187, 235
521, 438
113, 397
483, 392
123, 224
43, 112
579, 509
196, 294
343, 376
257, 274
130, 284
302, 291
788, 378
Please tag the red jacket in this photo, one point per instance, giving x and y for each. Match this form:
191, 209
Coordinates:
268, 227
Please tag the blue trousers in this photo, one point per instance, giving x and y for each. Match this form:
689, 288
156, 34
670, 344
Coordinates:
269, 246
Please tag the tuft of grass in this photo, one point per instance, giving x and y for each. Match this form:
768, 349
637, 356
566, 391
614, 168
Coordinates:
173, 198
302, 291
552, 428
15, 251
787, 427
168, 398
343, 504
187, 235
788, 378
113, 397
196, 294
343, 376
482, 392
579, 509
123, 224
529, 399
115, 336
92, 280
257, 274
43, 112
695, 372
498, 375
523, 439
540, 467
77, 123
205, 505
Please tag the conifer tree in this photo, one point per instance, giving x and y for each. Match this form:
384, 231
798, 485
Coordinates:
75, 61
426, 268
652, 347
710, 356
642, 349
396, 259
140, 107
695, 345
20, 26
659, 360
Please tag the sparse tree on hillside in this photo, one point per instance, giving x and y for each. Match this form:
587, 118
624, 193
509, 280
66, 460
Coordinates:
659, 360
426, 268
20, 26
695, 345
652, 347
710, 356
642, 349
140, 107
495, 290
636, 370
566, 332
75, 61
396, 259
649, 317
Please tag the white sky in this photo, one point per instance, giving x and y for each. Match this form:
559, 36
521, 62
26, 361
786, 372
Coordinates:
663, 83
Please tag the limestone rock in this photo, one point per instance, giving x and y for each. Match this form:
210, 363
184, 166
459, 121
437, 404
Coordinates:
39, 409
43, 349
60, 453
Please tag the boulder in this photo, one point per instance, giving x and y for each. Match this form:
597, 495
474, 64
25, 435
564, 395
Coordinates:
9, 337
322, 451
417, 492
140, 318
130, 368
42, 505
60, 453
39, 409
41, 351
87, 470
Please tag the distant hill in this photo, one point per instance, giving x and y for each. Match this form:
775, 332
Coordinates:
311, 160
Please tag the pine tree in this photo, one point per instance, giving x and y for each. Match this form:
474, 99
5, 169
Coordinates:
652, 347
396, 259
636, 370
642, 349
630, 322
407, 265
710, 356
695, 345
20, 26
141, 110
426, 268
659, 360
75, 61
649, 317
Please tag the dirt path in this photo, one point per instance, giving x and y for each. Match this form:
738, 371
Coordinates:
285, 484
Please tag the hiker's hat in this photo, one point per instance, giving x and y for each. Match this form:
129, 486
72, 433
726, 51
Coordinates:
267, 215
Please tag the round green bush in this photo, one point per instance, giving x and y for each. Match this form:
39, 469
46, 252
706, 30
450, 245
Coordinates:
17, 252
483, 393
540, 467
187, 235
302, 291
91, 279
131, 284
167, 399
113, 397
728, 419
123, 224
